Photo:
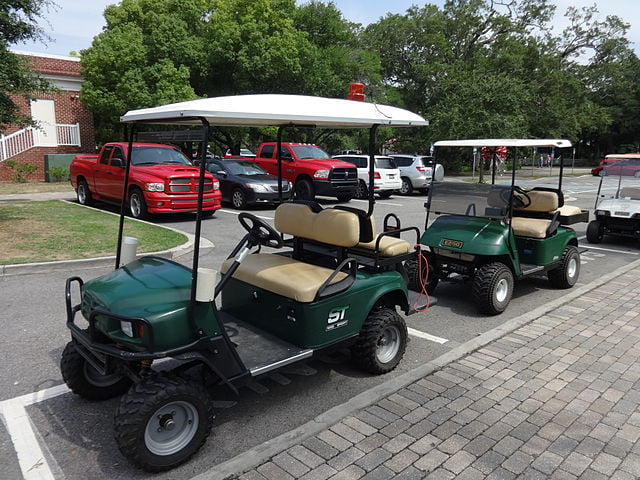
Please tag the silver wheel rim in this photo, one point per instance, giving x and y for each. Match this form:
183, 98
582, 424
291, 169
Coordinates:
237, 199
360, 192
82, 194
502, 290
572, 268
96, 379
388, 344
405, 187
171, 428
134, 205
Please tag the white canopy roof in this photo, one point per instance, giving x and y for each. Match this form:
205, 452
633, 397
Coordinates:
277, 110
505, 142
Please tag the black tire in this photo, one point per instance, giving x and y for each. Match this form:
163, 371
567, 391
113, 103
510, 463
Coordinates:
411, 266
381, 342
83, 193
86, 381
595, 231
492, 288
362, 192
345, 197
385, 194
238, 199
162, 421
137, 205
407, 186
304, 189
567, 275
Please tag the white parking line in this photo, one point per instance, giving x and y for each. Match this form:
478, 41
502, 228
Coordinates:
426, 336
379, 202
238, 213
31, 458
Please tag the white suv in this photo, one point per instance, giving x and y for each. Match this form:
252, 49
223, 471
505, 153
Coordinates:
417, 171
386, 178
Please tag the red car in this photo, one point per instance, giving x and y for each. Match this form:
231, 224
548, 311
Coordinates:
612, 159
625, 168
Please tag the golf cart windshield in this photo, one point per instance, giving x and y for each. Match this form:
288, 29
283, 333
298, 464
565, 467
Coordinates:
621, 180
470, 199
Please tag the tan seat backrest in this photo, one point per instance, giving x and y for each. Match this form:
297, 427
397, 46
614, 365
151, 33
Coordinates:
541, 201
330, 226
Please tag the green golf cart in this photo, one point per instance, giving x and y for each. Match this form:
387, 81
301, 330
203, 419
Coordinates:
491, 235
330, 283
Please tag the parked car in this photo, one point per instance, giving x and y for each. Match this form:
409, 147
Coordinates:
612, 159
417, 171
244, 183
244, 152
386, 178
626, 168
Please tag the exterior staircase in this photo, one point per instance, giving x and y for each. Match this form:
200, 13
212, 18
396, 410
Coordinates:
22, 140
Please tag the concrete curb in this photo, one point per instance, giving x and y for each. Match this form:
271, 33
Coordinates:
99, 262
263, 452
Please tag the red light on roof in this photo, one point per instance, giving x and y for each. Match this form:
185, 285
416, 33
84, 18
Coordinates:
356, 92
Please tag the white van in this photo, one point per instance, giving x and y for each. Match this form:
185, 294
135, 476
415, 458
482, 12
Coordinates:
386, 178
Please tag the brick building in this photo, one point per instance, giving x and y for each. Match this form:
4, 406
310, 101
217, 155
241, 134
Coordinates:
66, 126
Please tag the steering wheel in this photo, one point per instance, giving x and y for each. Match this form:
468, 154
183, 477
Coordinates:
260, 231
522, 200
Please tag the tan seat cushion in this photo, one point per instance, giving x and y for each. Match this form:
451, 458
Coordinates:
530, 227
569, 210
541, 201
283, 275
389, 246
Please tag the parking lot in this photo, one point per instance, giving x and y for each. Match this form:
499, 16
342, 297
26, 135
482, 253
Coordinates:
67, 437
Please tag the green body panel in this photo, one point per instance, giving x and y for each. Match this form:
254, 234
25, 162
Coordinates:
478, 235
154, 289
315, 324
544, 251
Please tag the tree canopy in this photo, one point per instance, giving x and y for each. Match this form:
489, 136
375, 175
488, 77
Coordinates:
485, 68
18, 23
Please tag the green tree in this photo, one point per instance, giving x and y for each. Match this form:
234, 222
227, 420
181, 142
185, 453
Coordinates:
18, 23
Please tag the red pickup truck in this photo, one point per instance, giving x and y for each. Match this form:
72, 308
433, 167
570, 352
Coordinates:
311, 170
161, 180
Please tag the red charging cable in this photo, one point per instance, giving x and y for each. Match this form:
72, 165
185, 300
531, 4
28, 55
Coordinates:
423, 280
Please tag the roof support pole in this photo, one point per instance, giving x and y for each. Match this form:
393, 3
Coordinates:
279, 157
125, 194
372, 165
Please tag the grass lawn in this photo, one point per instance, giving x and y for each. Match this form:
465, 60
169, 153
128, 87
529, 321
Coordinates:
34, 187
56, 230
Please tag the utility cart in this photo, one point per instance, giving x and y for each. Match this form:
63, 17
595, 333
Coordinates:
330, 283
490, 235
617, 208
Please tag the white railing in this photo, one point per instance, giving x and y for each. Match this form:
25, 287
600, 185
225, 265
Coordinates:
18, 142
68, 134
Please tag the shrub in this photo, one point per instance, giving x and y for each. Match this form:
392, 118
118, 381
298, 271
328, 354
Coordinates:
58, 174
20, 171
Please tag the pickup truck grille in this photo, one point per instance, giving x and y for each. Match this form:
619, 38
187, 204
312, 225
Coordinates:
189, 185
344, 174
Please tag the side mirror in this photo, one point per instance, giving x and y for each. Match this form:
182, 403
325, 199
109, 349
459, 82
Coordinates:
117, 162
222, 173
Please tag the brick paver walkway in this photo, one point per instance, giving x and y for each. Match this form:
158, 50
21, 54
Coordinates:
558, 398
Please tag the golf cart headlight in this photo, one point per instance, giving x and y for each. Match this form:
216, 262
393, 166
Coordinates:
127, 328
257, 187
322, 174
155, 187
605, 213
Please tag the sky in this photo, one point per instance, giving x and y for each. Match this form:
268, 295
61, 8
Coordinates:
74, 23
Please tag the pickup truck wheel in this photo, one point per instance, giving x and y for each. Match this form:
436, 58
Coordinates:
137, 205
86, 381
381, 342
84, 194
492, 288
362, 191
407, 187
305, 190
238, 199
567, 274
162, 421
595, 231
